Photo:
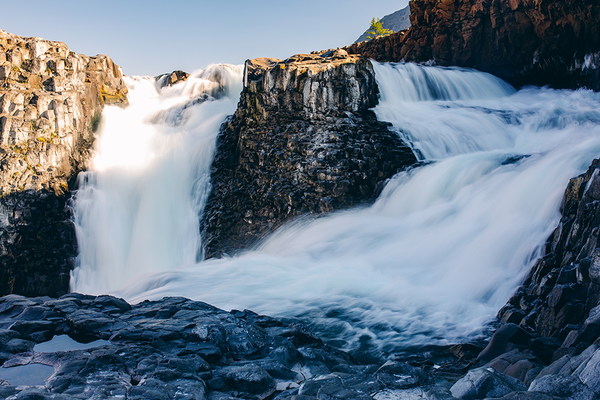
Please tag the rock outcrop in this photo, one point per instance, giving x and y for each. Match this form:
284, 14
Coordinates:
561, 296
171, 79
302, 141
554, 42
50, 105
550, 333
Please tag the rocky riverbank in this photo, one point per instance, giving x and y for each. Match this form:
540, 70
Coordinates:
180, 349
546, 347
51, 101
302, 142
522, 41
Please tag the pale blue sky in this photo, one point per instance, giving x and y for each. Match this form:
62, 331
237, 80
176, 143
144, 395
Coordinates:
151, 37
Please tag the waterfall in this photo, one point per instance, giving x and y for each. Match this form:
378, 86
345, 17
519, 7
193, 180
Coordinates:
430, 262
136, 211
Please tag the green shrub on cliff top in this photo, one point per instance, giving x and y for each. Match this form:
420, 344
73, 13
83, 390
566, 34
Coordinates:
377, 30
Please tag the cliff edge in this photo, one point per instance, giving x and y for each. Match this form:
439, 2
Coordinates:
51, 101
541, 42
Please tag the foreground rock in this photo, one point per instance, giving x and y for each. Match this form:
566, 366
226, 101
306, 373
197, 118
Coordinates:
302, 141
50, 104
522, 41
180, 349
176, 348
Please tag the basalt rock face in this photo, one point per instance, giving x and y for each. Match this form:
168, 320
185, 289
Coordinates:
171, 79
51, 100
553, 42
561, 296
302, 141
551, 326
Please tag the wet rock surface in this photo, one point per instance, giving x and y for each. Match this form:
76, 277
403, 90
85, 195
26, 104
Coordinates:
522, 41
180, 349
176, 348
302, 142
51, 100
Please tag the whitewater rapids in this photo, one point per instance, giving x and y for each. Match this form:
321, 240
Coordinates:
430, 262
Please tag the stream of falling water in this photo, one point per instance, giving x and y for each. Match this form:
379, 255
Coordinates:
430, 262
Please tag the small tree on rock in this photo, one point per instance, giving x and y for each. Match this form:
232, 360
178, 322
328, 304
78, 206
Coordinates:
377, 30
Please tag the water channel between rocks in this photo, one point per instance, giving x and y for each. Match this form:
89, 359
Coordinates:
430, 262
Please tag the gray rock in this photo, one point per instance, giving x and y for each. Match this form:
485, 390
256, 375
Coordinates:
398, 375
590, 374
249, 378
562, 386
529, 396
396, 21
485, 382
50, 104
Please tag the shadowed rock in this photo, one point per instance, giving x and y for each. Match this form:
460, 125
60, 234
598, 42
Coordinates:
302, 142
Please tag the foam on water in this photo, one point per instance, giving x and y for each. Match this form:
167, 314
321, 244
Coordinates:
436, 256
137, 211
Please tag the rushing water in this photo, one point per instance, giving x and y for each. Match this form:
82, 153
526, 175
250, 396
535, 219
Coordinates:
431, 262
137, 211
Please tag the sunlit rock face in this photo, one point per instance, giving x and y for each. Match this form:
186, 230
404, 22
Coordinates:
50, 105
523, 41
302, 141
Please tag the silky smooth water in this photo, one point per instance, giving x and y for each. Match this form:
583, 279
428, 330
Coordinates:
137, 211
430, 262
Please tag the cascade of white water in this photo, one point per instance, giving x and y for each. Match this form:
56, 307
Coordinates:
444, 246
137, 210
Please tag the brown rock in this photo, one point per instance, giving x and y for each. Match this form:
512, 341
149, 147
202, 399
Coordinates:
522, 41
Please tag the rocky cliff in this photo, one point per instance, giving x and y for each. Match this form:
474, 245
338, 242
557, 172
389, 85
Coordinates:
553, 42
302, 141
50, 105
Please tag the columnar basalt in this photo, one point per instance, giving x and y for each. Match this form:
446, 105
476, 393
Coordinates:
302, 141
522, 41
561, 296
51, 101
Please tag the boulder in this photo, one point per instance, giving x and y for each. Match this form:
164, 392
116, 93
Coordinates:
302, 142
480, 383
562, 386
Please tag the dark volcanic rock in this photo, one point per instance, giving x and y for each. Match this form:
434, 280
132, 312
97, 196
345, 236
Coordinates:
50, 104
553, 42
38, 244
302, 141
180, 349
561, 294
